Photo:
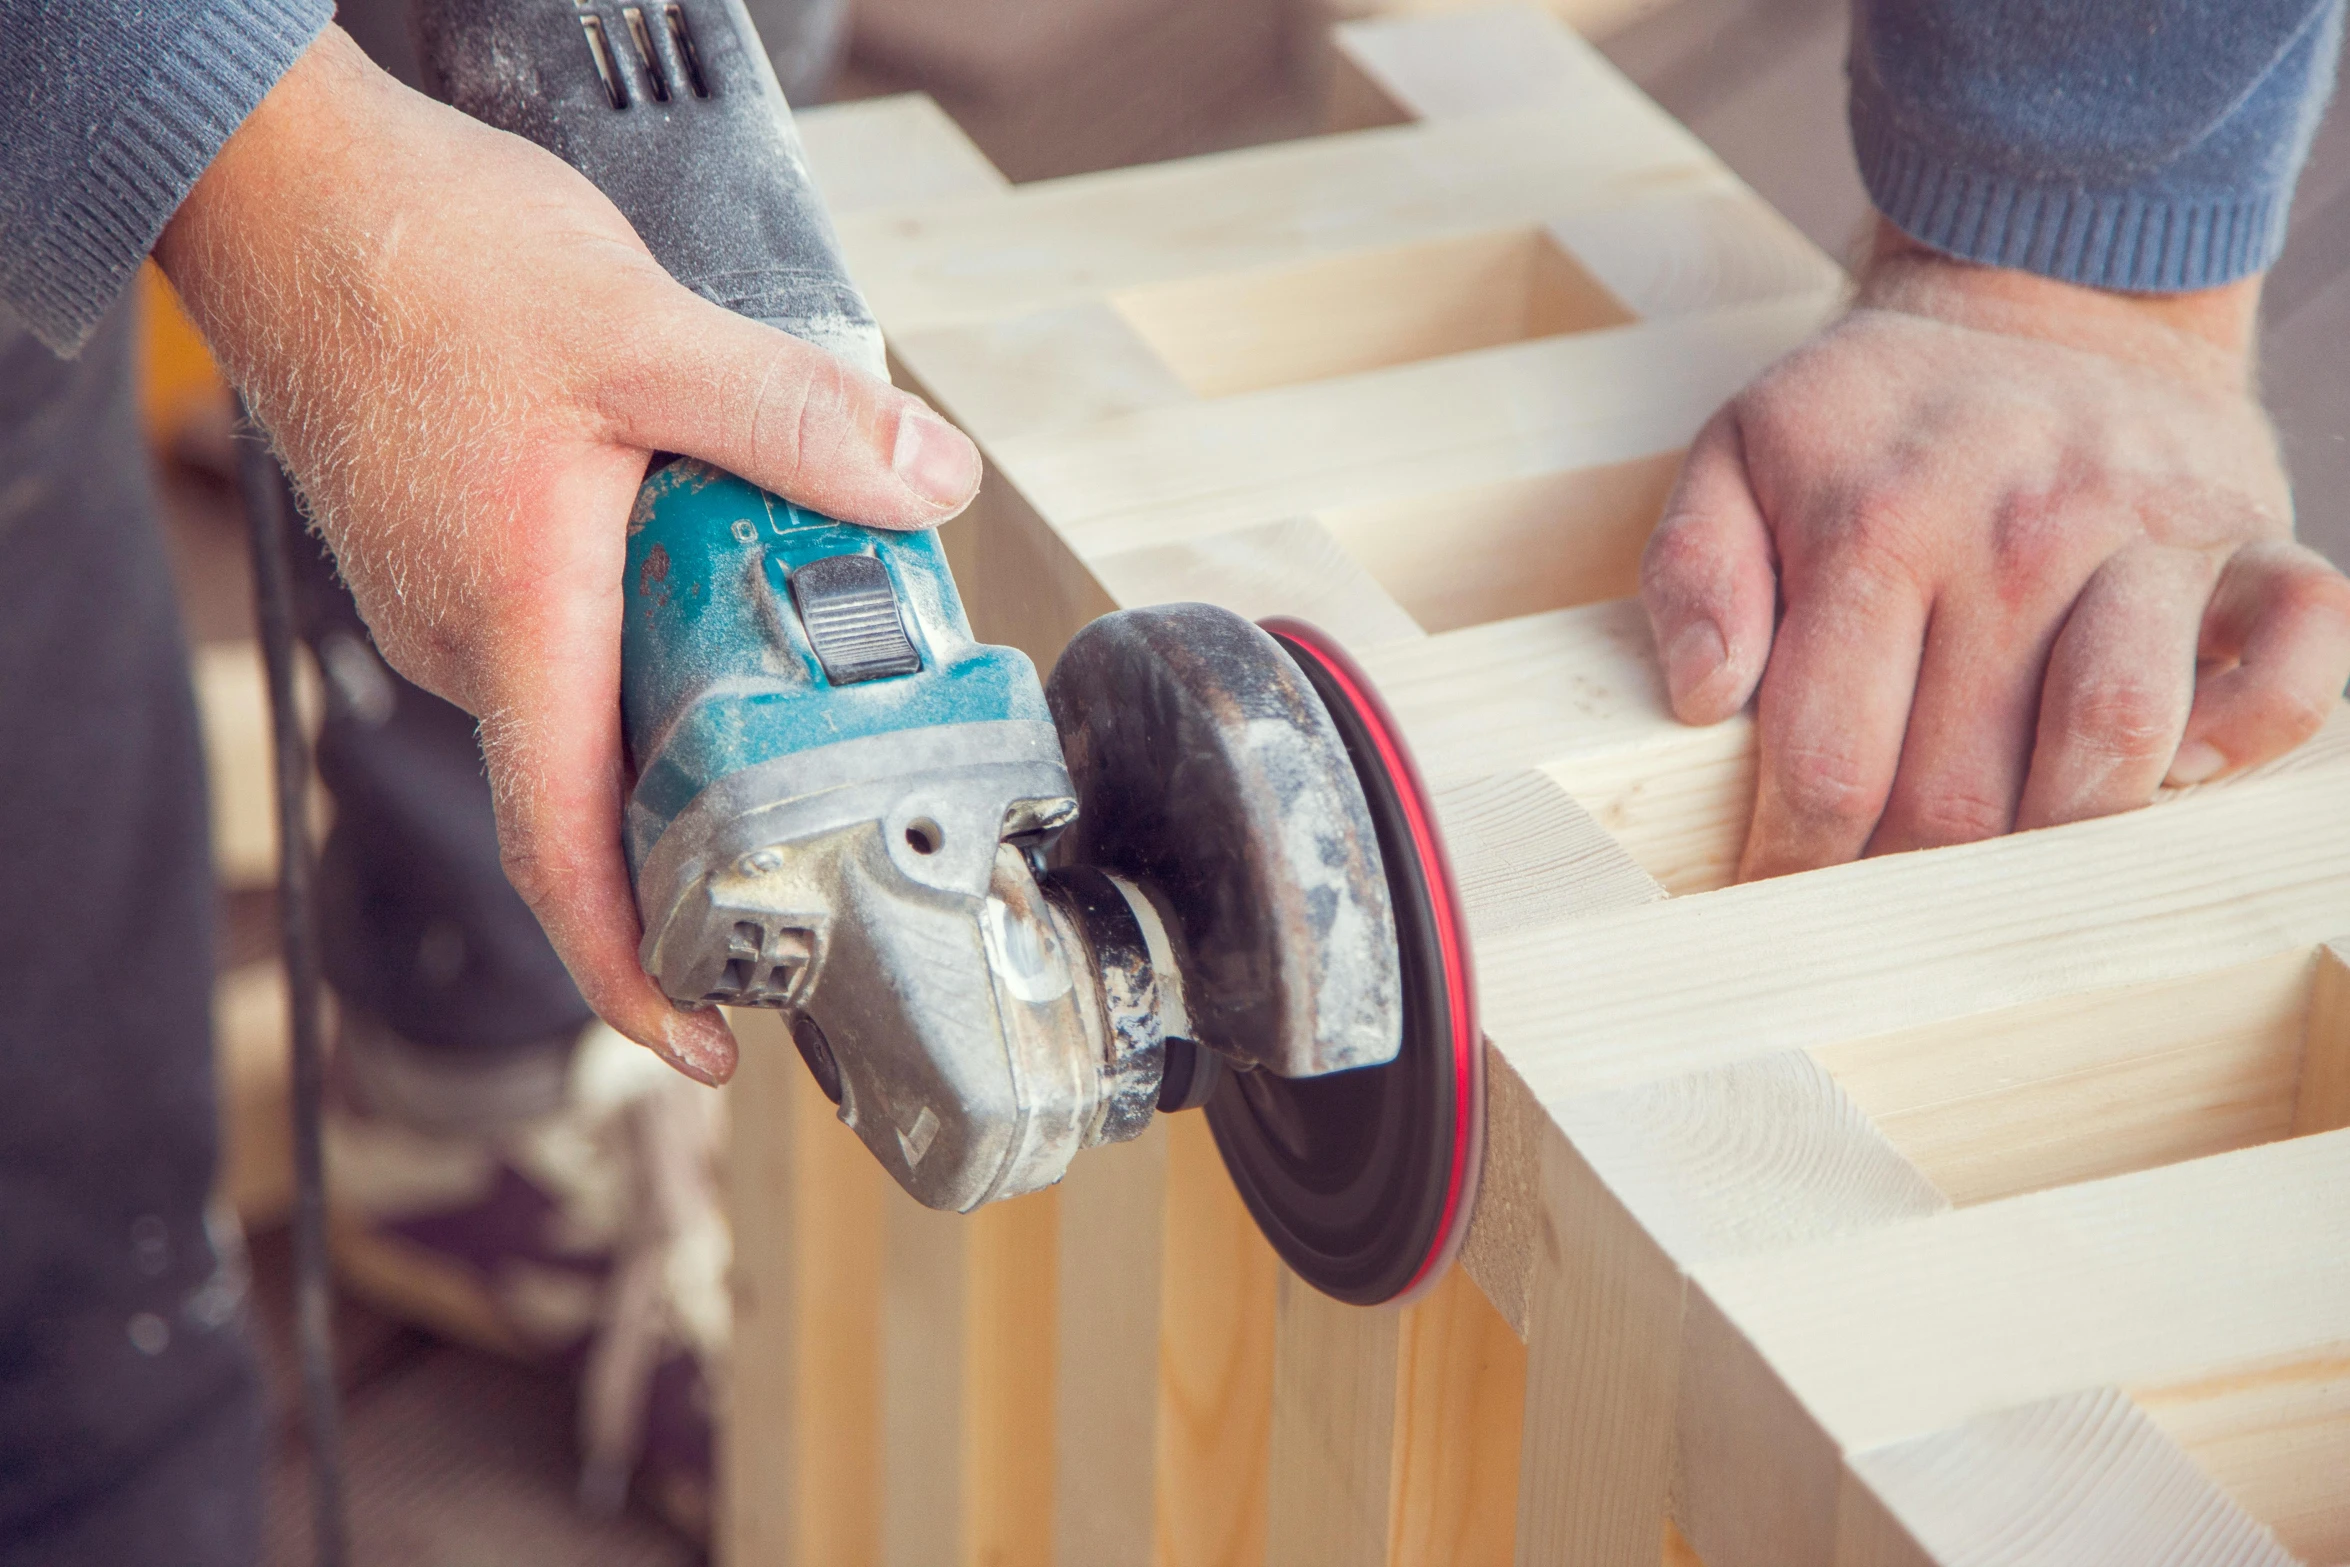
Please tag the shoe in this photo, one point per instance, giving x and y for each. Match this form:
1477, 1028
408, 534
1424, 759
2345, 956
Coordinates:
558, 1204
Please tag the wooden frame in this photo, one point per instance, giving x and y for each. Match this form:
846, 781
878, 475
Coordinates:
1976, 1206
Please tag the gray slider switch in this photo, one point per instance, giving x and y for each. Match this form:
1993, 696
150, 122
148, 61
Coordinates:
851, 614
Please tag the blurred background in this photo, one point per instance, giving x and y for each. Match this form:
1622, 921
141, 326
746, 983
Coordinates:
458, 1455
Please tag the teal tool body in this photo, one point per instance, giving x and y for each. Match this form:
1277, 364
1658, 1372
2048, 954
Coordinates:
722, 674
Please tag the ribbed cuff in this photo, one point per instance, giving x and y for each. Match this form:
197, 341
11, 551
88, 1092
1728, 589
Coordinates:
146, 155
2144, 241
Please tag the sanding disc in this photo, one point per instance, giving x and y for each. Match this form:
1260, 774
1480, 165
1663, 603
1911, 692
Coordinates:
1364, 1181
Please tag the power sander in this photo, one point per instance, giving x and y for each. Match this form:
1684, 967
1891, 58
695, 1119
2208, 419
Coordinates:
1006, 920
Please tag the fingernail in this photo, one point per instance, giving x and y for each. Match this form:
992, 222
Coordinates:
1697, 651
700, 1045
934, 459
2197, 760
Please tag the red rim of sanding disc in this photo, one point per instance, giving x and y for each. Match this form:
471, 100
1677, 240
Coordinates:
1467, 1043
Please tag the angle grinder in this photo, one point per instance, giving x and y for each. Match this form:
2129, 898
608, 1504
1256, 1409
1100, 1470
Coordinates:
1007, 919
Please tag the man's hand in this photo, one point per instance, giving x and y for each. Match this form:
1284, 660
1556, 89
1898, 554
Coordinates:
465, 356
2000, 552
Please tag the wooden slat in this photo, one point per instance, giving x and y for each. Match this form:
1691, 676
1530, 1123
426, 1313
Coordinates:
1460, 1389
1111, 1276
2277, 1439
1215, 1407
2083, 1480
800, 1461
1011, 1353
1593, 1467
1495, 59
1334, 1408
2241, 1260
1525, 855
1283, 568
1060, 242
2090, 1084
892, 152
926, 1414
1641, 1184
1164, 475
2205, 883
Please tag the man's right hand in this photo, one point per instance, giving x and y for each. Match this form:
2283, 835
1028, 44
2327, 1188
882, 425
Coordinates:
465, 357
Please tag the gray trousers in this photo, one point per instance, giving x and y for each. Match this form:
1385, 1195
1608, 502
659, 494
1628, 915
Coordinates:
130, 1417
130, 1409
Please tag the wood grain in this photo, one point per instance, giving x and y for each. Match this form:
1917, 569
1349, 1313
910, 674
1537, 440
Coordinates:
1460, 1404
801, 1463
2324, 1101
1215, 1407
2084, 1480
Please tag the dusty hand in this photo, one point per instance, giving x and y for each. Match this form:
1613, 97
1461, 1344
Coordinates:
465, 355
2001, 552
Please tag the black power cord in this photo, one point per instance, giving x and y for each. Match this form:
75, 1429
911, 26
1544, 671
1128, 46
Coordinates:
267, 515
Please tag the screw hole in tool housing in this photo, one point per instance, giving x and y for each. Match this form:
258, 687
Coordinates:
924, 837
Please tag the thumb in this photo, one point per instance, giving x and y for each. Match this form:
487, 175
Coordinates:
1709, 582
790, 418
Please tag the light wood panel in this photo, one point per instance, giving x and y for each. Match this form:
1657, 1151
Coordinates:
2201, 884
1460, 1373
1215, 1405
2276, 1438
2078, 1481
801, 1455
1111, 1269
1816, 1352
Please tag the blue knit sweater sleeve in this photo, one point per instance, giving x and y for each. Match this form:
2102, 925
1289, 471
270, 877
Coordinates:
113, 108
2149, 146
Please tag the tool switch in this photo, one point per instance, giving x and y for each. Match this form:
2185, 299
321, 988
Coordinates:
851, 614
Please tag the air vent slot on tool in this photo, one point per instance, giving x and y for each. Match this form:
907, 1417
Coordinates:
760, 971
851, 614
607, 64
687, 55
646, 56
